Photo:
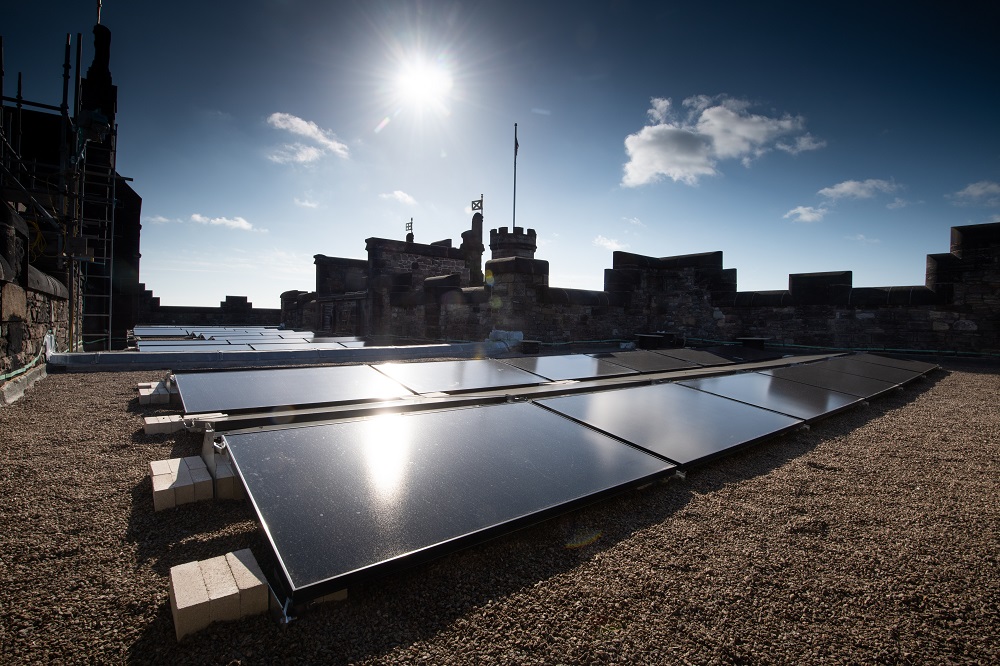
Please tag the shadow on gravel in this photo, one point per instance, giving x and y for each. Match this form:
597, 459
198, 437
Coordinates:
415, 605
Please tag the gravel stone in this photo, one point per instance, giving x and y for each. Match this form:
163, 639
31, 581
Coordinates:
872, 537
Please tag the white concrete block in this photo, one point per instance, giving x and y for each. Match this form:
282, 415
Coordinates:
225, 481
194, 462
183, 486
202, 481
189, 600
250, 580
158, 467
223, 593
163, 492
156, 425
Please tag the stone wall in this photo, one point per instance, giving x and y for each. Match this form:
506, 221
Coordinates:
234, 311
32, 304
423, 291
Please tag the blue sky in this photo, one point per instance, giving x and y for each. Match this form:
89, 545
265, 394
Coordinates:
794, 137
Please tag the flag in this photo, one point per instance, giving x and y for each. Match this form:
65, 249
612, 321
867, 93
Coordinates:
477, 205
516, 145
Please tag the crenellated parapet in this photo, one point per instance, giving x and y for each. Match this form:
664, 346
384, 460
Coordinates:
517, 243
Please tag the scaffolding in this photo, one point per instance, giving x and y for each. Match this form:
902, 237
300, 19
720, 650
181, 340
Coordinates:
68, 198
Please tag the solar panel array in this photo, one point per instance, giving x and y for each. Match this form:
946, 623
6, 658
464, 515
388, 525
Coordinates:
346, 501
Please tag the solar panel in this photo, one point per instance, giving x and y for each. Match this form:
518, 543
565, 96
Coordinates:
152, 344
243, 390
645, 361
159, 331
855, 366
284, 345
699, 356
816, 374
799, 400
342, 503
569, 366
905, 364
739, 353
196, 348
682, 425
458, 376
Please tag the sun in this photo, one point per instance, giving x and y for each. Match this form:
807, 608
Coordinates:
424, 85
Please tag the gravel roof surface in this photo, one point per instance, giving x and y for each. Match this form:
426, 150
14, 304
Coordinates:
872, 537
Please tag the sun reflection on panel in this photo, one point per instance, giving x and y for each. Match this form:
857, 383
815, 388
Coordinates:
387, 456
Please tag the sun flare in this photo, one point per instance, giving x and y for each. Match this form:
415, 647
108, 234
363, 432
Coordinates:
424, 85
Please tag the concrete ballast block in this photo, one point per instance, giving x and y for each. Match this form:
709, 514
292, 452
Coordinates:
163, 492
189, 600
157, 425
223, 593
202, 481
250, 581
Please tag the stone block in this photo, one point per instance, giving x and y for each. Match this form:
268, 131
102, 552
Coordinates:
189, 600
157, 425
194, 462
183, 486
163, 492
202, 482
160, 467
225, 481
250, 581
223, 593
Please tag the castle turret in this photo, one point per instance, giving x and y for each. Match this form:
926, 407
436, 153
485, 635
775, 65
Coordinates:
504, 243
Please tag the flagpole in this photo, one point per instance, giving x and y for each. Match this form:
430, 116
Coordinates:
513, 217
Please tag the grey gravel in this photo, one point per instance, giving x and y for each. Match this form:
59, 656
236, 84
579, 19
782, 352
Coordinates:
871, 538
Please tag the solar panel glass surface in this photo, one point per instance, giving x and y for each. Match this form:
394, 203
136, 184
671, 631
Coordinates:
458, 376
817, 374
697, 356
569, 366
779, 395
645, 361
679, 423
348, 501
243, 390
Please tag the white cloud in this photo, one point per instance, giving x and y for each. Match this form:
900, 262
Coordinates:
295, 153
238, 223
157, 219
859, 189
983, 193
687, 148
400, 196
806, 214
634, 221
861, 238
306, 203
801, 144
541, 112
325, 141
609, 243
897, 203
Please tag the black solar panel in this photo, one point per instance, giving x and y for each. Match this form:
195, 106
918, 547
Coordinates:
854, 365
458, 376
905, 364
242, 390
569, 366
699, 356
780, 395
679, 423
159, 331
645, 361
817, 374
185, 347
341, 503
